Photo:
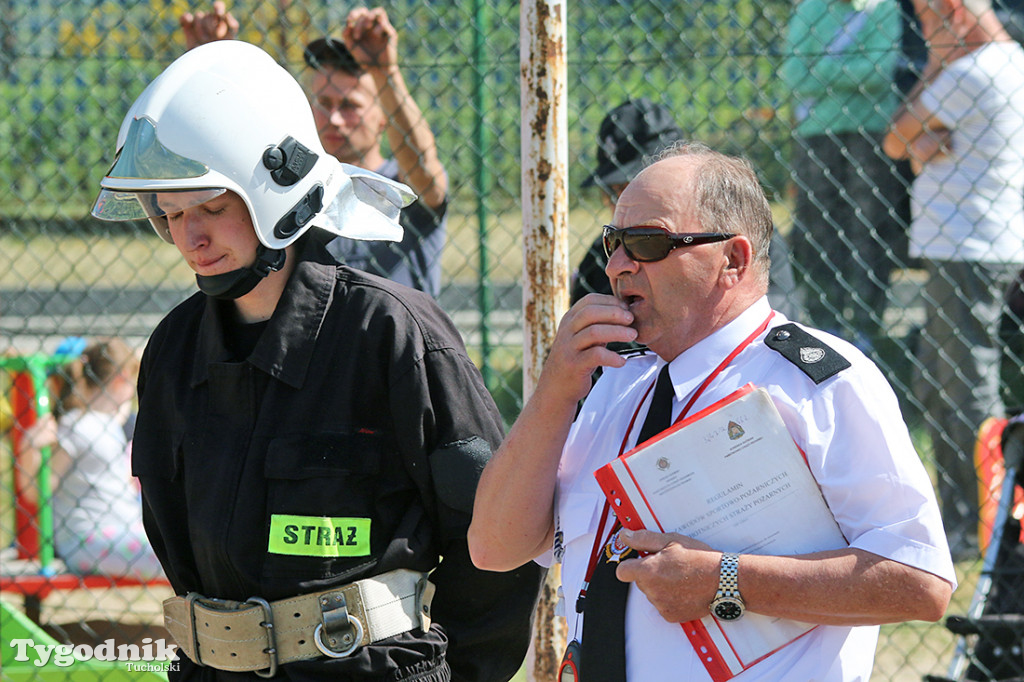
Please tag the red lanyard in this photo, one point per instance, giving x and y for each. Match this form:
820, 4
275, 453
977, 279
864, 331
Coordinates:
622, 448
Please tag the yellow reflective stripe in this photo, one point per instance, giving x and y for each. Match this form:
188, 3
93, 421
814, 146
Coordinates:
319, 536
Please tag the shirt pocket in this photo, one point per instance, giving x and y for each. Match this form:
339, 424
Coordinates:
321, 499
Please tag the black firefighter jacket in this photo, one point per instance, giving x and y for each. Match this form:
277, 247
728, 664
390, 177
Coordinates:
359, 402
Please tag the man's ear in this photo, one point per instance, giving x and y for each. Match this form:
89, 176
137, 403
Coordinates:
739, 255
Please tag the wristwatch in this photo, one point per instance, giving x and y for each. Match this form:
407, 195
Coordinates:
728, 604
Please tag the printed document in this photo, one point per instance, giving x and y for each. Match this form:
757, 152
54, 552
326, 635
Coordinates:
730, 476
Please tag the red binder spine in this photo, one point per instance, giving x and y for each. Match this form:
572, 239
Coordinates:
617, 499
701, 642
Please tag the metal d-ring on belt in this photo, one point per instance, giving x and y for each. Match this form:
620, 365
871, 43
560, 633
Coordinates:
258, 636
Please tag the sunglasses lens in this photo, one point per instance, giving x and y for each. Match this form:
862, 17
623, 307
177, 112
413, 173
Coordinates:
646, 248
612, 240
639, 246
651, 244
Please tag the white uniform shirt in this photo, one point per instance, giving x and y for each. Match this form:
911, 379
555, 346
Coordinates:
968, 206
857, 447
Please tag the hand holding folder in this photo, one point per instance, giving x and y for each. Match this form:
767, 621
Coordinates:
732, 477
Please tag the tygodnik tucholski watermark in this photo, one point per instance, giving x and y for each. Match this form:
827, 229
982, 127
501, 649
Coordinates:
151, 656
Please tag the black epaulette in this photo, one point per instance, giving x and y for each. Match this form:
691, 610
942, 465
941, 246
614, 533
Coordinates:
810, 354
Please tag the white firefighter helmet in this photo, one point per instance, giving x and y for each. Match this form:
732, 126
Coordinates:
226, 116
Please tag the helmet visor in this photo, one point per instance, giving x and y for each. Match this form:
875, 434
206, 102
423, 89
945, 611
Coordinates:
116, 205
141, 159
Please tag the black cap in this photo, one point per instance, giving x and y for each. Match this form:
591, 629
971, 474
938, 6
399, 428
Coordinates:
631, 131
331, 53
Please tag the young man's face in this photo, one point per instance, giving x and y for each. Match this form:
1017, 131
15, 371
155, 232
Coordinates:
347, 114
213, 237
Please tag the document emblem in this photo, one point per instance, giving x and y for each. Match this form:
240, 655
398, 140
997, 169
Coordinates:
735, 431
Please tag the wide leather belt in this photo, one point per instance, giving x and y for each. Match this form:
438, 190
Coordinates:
257, 636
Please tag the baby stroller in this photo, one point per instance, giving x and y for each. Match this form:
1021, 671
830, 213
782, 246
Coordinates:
989, 638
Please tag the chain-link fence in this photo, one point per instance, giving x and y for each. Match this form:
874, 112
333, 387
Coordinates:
807, 94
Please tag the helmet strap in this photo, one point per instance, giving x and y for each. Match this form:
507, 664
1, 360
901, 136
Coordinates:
228, 286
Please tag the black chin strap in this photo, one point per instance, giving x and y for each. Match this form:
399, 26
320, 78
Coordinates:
228, 286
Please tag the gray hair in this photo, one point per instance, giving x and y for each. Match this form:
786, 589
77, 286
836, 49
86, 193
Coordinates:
728, 197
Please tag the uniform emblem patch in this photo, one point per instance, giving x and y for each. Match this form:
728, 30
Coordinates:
811, 355
616, 550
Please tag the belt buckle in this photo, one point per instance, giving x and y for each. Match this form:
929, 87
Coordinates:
190, 603
334, 618
268, 624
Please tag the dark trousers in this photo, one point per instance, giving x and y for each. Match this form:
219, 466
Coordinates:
958, 381
847, 234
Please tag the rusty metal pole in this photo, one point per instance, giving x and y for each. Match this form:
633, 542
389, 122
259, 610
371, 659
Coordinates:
545, 187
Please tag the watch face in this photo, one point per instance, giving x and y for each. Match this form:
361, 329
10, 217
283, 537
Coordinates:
728, 609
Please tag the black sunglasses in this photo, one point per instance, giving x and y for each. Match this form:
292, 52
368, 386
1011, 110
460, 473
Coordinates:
649, 244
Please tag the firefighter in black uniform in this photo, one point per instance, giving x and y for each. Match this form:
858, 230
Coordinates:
309, 436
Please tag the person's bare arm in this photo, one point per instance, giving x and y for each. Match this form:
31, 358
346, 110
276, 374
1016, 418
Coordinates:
839, 587
513, 517
373, 41
915, 133
42, 434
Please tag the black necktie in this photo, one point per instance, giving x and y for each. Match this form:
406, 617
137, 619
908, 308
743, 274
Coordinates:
659, 414
603, 647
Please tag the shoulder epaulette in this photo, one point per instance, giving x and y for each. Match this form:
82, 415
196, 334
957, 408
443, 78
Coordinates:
814, 358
